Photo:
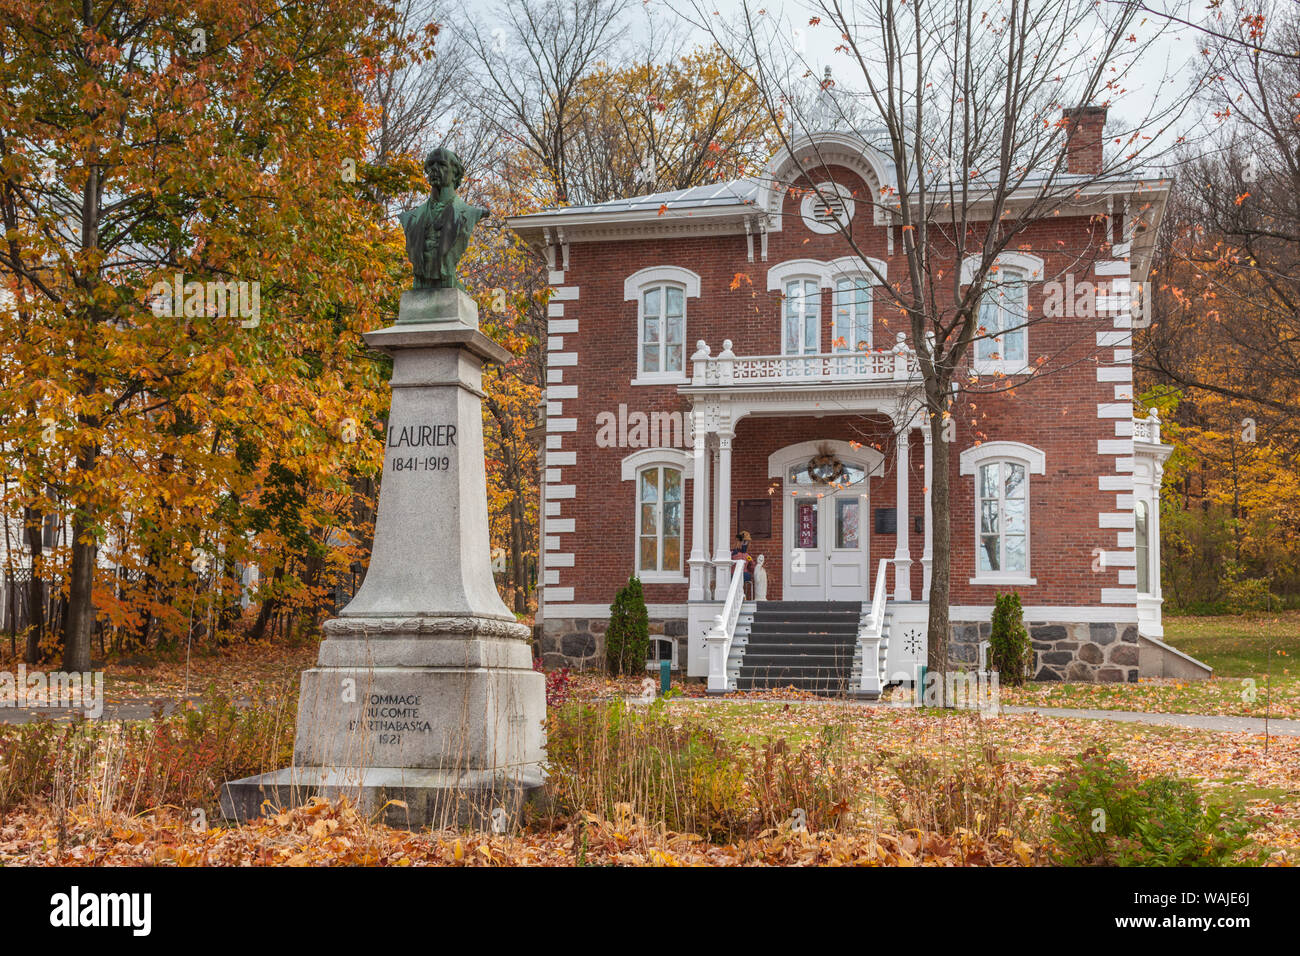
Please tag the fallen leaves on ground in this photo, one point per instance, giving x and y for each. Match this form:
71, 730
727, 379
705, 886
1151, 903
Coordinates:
336, 834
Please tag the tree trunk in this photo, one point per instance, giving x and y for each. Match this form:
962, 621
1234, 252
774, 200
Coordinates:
81, 605
519, 573
34, 525
941, 561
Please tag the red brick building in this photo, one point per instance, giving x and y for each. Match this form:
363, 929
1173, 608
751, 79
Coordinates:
718, 362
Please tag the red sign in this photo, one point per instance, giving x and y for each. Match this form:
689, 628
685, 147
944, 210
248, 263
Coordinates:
806, 514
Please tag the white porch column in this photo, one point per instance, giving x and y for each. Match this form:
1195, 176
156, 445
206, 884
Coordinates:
927, 556
902, 550
699, 561
1153, 533
722, 517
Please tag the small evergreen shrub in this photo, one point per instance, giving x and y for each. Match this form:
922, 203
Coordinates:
1010, 651
627, 641
1104, 814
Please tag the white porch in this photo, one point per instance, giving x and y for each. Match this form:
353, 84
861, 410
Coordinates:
724, 390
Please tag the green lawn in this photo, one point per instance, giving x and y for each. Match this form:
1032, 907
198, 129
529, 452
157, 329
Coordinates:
1255, 672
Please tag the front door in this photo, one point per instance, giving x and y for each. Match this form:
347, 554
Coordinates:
826, 546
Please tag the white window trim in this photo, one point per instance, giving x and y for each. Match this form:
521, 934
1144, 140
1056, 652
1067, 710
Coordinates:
633, 288
632, 466
680, 458
823, 228
652, 664
1029, 270
1035, 463
1030, 265
826, 273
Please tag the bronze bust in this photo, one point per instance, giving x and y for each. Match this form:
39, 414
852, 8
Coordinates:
438, 230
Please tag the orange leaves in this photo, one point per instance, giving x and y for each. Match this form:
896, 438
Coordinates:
738, 278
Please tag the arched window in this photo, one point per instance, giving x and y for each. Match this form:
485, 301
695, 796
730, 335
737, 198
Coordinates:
1142, 525
1002, 518
1002, 334
663, 330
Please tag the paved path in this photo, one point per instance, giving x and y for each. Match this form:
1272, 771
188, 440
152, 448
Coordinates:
1277, 727
1227, 725
126, 710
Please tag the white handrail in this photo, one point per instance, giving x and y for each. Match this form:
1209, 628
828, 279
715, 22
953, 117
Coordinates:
870, 634
720, 636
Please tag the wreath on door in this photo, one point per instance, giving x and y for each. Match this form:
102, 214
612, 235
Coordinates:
824, 468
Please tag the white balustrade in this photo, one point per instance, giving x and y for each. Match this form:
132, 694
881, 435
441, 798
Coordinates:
726, 368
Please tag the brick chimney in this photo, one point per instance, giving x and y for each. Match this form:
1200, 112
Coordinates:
1083, 138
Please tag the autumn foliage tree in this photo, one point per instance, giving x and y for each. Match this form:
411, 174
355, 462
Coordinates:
146, 142
1221, 357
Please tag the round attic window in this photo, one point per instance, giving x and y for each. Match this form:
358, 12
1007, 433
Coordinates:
827, 209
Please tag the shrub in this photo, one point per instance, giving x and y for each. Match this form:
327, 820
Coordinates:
627, 641
783, 781
611, 759
604, 758
1010, 650
982, 796
1103, 814
559, 684
181, 759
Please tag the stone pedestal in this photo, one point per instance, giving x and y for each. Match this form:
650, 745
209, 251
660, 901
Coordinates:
424, 691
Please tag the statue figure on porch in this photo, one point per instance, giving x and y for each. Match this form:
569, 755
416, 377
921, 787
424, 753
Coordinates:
760, 579
438, 230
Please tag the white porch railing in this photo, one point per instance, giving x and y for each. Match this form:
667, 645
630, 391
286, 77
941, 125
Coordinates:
1147, 429
897, 364
871, 633
718, 640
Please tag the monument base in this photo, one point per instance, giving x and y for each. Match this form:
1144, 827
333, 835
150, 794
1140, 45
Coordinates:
423, 706
442, 714
397, 797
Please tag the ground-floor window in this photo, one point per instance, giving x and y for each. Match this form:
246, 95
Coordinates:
1141, 524
1003, 517
659, 521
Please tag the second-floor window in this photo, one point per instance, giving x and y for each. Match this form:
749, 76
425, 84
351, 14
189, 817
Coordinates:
803, 312
663, 330
1002, 343
852, 316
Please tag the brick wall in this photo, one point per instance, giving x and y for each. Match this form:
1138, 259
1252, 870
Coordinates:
1057, 413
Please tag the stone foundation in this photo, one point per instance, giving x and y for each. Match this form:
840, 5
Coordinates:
1080, 653
579, 642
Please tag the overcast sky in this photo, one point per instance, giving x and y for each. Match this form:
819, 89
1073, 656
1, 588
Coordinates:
1164, 71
